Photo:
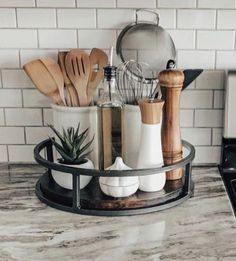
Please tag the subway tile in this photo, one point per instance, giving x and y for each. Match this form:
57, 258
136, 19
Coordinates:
47, 117
7, 18
76, 18
56, 3
3, 153
219, 99
136, 3
10, 98
57, 39
183, 39
207, 155
211, 79
9, 58
176, 3
16, 79
214, 40
17, 3
213, 4
33, 98
35, 135
96, 3
0, 80
29, 55
103, 39
23, 117
226, 60
196, 59
186, 118
18, 38
196, 19
208, 118
21, 153
36, 18
217, 135
115, 19
12, 135
197, 136
226, 19
2, 117
196, 99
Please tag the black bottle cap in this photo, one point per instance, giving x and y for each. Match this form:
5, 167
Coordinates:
109, 72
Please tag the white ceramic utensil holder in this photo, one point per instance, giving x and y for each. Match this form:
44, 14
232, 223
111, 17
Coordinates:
119, 186
150, 149
131, 133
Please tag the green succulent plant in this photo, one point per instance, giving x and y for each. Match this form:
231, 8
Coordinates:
72, 148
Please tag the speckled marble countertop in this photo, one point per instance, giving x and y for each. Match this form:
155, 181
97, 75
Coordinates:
202, 228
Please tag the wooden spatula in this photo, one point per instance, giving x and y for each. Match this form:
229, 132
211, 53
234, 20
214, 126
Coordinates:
78, 70
43, 80
70, 88
55, 71
98, 59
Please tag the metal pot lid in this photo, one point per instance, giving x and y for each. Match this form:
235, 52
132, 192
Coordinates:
147, 43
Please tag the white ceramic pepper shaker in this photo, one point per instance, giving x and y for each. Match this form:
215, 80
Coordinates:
150, 149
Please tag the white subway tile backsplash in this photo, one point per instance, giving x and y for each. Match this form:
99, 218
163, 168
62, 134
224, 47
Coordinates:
226, 60
10, 98
33, 98
36, 18
196, 99
56, 3
3, 153
211, 79
196, 59
2, 117
23, 117
7, 18
136, 3
196, 19
35, 135
17, 3
96, 3
21, 153
197, 136
9, 58
118, 18
219, 99
207, 155
176, 3
208, 118
12, 135
226, 19
76, 18
217, 136
213, 40
103, 39
47, 117
57, 39
213, 4
183, 39
18, 38
16, 78
186, 118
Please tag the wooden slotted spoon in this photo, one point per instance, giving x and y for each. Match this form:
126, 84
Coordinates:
98, 59
43, 80
73, 97
78, 70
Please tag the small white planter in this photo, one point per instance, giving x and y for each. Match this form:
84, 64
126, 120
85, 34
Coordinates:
65, 180
65, 117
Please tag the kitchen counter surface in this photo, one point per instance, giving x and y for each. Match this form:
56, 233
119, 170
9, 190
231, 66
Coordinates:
202, 228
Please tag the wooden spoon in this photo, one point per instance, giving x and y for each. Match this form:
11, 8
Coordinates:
70, 88
55, 71
78, 70
43, 80
99, 58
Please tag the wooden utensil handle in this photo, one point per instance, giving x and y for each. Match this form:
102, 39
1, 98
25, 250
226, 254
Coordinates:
171, 82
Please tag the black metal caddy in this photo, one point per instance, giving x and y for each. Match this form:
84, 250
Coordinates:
91, 200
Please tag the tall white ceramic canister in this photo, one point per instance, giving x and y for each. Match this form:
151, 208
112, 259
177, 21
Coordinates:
150, 149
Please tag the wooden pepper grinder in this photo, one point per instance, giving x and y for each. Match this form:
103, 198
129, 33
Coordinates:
171, 82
